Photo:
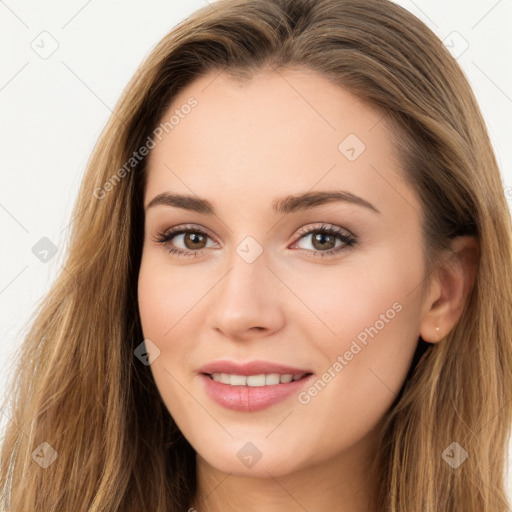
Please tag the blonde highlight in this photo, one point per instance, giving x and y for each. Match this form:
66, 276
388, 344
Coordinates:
77, 386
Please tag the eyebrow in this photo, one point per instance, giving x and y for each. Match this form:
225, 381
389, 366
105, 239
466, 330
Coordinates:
283, 205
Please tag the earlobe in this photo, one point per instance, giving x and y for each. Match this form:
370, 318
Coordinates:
455, 278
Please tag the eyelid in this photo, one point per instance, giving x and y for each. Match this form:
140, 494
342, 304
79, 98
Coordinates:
324, 226
181, 228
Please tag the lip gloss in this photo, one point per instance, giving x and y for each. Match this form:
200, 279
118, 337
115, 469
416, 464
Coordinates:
251, 398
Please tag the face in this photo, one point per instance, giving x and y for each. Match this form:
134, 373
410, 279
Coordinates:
255, 289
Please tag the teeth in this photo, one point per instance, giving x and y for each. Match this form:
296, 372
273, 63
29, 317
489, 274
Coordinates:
263, 379
223, 377
272, 378
238, 380
254, 380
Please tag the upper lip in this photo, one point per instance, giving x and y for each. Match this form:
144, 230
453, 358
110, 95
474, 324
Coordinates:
250, 368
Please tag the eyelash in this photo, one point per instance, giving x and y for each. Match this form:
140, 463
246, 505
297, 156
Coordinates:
348, 240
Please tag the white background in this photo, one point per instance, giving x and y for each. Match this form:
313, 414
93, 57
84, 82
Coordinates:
52, 111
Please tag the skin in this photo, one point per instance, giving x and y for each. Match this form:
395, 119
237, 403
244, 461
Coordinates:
243, 146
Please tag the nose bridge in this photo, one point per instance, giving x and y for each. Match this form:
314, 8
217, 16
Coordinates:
246, 296
247, 275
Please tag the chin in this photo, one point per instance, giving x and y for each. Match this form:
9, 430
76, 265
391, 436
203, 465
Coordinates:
255, 459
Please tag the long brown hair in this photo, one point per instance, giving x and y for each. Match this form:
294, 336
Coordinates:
78, 386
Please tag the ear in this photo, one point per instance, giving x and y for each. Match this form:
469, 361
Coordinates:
453, 280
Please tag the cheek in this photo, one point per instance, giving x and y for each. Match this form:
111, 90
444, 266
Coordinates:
374, 322
163, 304
369, 312
165, 296
378, 289
171, 307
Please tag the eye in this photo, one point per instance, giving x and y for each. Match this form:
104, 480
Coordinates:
324, 240
193, 238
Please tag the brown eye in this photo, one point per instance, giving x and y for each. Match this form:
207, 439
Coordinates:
194, 241
324, 240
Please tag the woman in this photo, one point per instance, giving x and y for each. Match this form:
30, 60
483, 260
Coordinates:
203, 349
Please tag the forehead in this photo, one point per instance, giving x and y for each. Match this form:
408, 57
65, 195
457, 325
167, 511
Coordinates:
278, 133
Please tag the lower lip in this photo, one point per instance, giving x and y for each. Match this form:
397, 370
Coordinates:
251, 398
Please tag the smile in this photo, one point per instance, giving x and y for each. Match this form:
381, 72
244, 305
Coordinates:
251, 393
263, 379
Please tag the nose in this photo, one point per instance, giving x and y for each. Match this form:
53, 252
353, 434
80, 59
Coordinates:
248, 300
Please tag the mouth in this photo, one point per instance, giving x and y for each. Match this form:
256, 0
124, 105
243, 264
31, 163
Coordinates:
252, 385
255, 389
260, 380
